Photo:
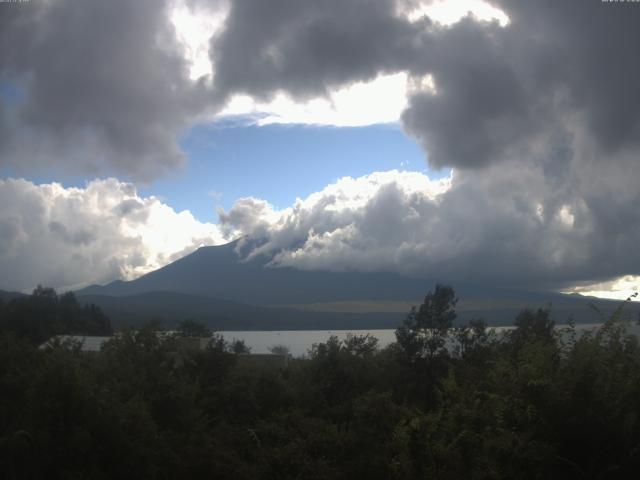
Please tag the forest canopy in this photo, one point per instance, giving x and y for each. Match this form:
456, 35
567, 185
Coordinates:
441, 402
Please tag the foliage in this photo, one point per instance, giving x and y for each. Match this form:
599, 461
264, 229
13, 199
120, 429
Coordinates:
192, 328
279, 349
424, 332
239, 347
45, 313
463, 403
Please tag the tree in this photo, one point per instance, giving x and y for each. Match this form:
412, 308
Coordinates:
532, 326
45, 314
360, 345
471, 338
192, 328
279, 349
425, 329
239, 347
44, 293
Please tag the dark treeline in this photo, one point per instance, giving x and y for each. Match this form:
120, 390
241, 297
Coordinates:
44, 314
442, 402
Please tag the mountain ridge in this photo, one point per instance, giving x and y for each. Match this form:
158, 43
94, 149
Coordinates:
200, 283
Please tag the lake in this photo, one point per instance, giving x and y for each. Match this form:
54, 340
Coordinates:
300, 341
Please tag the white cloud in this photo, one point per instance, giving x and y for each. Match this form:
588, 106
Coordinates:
509, 226
365, 223
66, 237
448, 12
381, 100
627, 286
194, 29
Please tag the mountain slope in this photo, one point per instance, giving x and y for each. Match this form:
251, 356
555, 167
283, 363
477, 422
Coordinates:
8, 296
170, 308
214, 285
218, 272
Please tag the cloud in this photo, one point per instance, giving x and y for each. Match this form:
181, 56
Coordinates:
349, 106
109, 87
447, 12
512, 227
304, 47
622, 288
508, 228
537, 112
478, 112
73, 236
500, 91
324, 96
534, 104
105, 87
501, 87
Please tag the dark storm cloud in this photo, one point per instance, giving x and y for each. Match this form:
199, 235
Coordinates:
498, 89
304, 46
103, 82
3, 124
480, 112
507, 226
106, 82
540, 118
592, 47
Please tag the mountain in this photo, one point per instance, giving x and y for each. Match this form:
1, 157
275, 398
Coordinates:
8, 296
215, 286
171, 308
218, 272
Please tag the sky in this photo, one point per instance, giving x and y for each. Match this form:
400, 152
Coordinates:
493, 142
221, 156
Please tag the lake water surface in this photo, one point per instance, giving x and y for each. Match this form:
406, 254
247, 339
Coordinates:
300, 341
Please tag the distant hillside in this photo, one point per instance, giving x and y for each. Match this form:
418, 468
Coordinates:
7, 296
171, 308
218, 272
215, 286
